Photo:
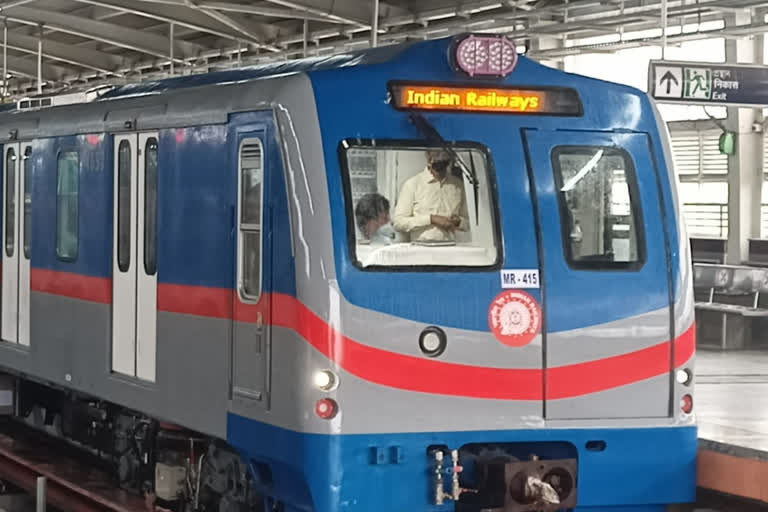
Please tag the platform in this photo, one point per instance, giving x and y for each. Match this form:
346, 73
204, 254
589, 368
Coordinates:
732, 413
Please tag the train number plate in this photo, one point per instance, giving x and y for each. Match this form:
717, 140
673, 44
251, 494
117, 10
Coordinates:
520, 278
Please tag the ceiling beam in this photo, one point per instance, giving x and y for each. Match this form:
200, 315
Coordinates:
250, 8
237, 26
320, 12
83, 57
28, 68
14, 3
192, 18
106, 32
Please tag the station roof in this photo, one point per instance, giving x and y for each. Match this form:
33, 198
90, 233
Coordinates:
86, 43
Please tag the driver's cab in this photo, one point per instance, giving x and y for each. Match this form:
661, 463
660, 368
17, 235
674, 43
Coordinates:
401, 173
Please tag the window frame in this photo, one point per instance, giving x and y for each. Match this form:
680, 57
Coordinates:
145, 150
124, 266
58, 198
635, 206
410, 144
249, 228
26, 235
10, 194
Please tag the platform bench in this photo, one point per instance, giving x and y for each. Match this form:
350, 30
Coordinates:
726, 323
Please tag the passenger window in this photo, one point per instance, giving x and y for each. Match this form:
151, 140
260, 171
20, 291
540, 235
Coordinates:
27, 198
124, 206
251, 176
599, 207
10, 201
150, 207
417, 206
67, 205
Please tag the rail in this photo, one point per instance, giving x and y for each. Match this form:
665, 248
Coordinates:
71, 484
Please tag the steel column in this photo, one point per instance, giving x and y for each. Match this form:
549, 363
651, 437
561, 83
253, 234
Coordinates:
5, 58
664, 16
375, 25
40, 60
170, 39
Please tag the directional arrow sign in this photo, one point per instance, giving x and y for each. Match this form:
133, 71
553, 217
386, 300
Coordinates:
669, 78
701, 83
667, 82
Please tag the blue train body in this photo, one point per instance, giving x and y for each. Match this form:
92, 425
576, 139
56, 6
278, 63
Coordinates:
236, 357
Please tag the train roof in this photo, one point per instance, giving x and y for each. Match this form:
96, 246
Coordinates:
209, 98
197, 99
273, 69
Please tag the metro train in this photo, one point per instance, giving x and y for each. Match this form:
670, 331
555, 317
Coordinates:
423, 277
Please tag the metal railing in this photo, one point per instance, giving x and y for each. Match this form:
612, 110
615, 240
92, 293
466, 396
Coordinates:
764, 221
711, 219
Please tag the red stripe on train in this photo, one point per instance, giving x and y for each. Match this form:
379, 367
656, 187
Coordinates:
431, 376
387, 368
76, 286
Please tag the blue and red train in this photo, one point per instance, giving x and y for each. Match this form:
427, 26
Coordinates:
435, 276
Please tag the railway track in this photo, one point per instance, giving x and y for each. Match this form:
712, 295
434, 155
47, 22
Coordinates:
77, 481
74, 482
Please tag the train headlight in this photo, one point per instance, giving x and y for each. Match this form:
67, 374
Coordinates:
684, 377
325, 380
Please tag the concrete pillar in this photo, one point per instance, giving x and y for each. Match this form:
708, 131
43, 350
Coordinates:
745, 167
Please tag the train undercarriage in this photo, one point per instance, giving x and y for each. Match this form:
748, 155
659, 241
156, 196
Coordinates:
175, 468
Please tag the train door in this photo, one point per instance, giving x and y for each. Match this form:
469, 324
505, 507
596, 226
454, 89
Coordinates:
16, 248
251, 343
606, 279
134, 260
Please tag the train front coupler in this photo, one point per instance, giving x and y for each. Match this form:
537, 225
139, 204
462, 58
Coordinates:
503, 483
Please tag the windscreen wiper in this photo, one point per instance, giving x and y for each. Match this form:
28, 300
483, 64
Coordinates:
433, 137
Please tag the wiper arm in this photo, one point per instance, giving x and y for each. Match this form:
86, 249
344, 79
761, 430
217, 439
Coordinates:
433, 137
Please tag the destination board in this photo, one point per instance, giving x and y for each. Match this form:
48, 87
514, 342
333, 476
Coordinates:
508, 100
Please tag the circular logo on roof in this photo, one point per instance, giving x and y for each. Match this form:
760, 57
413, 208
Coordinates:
514, 317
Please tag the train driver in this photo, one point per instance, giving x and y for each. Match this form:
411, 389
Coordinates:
372, 215
431, 206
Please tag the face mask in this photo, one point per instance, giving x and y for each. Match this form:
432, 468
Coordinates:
385, 232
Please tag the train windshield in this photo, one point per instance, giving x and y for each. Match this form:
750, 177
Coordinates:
419, 206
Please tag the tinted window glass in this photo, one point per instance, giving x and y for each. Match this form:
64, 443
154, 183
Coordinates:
420, 206
67, 205
10, 201
251, 181
150, 206
27, 198
124, 206
599, 206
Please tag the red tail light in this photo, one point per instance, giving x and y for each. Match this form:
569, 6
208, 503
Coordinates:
686, 404
326, 408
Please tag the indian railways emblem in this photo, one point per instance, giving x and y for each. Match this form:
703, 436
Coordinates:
514, 318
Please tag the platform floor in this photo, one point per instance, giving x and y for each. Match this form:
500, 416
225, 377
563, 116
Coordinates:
732, 413
732, 398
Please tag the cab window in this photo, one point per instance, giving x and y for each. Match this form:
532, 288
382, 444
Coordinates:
599, 207
412, 207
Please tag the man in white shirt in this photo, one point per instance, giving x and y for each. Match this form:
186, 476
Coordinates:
431, 205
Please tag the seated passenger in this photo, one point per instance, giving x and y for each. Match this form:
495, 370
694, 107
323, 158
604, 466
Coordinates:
431, 205
372, 214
